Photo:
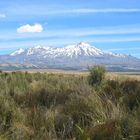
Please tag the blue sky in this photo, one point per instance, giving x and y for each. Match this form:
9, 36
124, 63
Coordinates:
111, 25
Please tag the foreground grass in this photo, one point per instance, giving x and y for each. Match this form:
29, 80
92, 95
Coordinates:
41, 106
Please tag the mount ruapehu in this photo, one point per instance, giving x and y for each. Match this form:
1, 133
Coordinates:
72, 57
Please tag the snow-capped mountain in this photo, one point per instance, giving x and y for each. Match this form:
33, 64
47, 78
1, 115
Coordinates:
81, 49
79, 56
69, 51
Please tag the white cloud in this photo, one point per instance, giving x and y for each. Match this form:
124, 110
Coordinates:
2, 16
36, 28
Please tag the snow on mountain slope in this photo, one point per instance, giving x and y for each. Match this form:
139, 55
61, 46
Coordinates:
82, 49
40, 50
17, 52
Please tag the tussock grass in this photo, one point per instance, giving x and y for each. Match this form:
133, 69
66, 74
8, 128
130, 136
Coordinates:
45, 106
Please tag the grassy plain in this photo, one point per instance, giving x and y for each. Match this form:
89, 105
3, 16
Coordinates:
62, 105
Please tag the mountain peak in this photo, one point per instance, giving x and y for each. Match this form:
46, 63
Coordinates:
40, 47
79, 45
17, 52
82, 49
83, 44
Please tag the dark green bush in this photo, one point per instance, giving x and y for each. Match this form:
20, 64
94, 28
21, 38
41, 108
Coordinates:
112, 90
97, 75
131, 91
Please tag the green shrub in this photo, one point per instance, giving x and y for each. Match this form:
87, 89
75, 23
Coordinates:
97, 75
112, 90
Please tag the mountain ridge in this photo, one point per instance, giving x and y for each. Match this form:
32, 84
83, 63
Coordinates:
79, 56
82, 46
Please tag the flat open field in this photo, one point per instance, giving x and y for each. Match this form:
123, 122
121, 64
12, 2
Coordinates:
124, 75
110, 75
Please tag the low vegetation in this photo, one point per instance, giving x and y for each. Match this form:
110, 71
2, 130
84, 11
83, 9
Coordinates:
44, 106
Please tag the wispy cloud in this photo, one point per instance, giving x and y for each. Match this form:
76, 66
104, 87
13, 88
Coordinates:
65, 40
87, 11
58, 11
124, 49
2, 16
112, 30
114, 39
36, 28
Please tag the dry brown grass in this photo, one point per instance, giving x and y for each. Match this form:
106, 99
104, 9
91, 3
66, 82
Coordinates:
49, 105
